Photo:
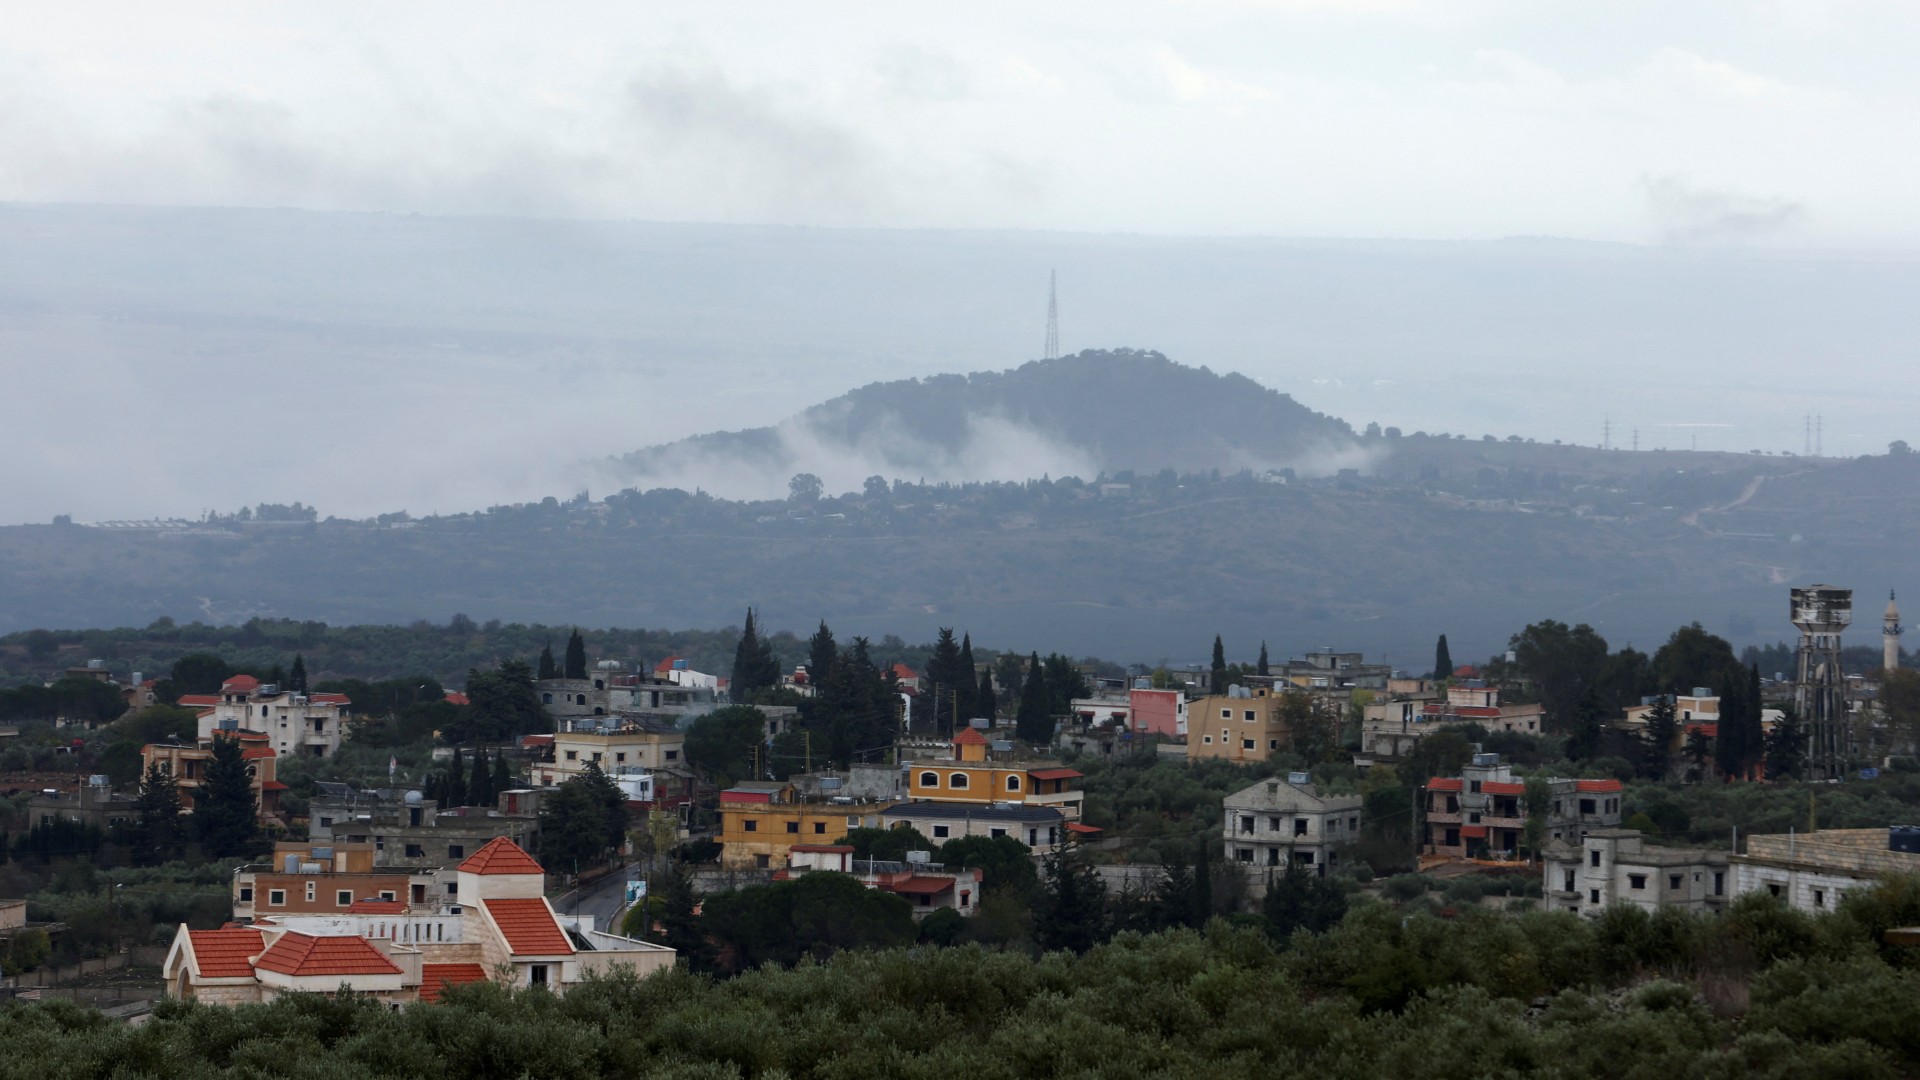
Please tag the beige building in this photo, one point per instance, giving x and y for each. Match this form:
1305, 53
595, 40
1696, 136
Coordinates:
1243, 724
620, 746
296, 725
1618, 866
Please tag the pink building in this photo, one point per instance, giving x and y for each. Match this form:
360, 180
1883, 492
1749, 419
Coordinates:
1159, 712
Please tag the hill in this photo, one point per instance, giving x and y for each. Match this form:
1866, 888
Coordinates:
1096, 412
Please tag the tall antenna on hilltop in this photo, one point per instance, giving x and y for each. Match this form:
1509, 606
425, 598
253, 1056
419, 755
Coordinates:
1052, 351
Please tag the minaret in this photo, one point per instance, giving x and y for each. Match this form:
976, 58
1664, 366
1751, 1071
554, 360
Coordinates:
1890, 636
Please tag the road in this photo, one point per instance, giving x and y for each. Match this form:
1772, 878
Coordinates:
604, 899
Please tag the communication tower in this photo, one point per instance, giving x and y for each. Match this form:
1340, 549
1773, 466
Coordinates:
1822, 612
1052, 351
1890, 635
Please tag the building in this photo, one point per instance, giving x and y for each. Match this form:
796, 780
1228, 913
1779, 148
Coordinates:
406, 829
1472, 701
311, 725
188, 764
1244, 725
1282, 823
1482, 813
329, 878
619, 745
981, 772
927, 885
93, 804
1813, 871
1037, 827
1158, 712
675, 695
500, 927
761, 821
1618, 866
1333, 671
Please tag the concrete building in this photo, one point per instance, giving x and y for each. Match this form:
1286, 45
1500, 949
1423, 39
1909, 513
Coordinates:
1282, 823
1618, 866
1038, 827
1482, 813
927, 885
619, 745
1333, 671
1471, 701
501, 928
1244, 725
310, 725
92, 804
611, 690
1813, 871
761, 821
406, 829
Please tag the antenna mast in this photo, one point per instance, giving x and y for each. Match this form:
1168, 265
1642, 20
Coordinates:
1052, 350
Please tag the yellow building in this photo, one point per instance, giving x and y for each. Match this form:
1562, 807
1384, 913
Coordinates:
761, 821
619, 745
972, 776
1245, 725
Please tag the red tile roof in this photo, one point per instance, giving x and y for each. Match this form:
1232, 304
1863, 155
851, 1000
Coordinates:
1474, 831
665, 665
455, 697
376, 907
1083, 828
1055, 774
529, 927
1597, 785
188, 701
240, 684
922, 886
224, 953
252, 752
332, 699
304, 954
435, 978
1442, 783
1499, 787
969, 737
272, 785
500, 856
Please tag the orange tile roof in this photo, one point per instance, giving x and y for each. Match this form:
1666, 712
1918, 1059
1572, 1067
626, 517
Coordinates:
1055, 774
376, 907
922, 886
529, 927
969, 737
1597, 785
188, 701
252, 752
241, 684
1501, 787
304, 954
500, 856
224, 953
1441, 783
435, 978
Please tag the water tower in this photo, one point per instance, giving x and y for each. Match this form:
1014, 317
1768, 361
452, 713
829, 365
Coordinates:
1822, 612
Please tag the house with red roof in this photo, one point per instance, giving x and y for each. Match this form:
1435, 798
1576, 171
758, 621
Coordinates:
926, 885
1483, 812
295, 724
496, 924
188, 764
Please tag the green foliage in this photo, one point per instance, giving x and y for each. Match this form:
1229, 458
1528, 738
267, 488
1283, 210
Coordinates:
1300, 900
1442, 659
1656, 742
1071, 912
1033, 722
158, 832
721, 744
582, 822
815, 915
226, 818
889, 845
502, 706
755, 667
576, 662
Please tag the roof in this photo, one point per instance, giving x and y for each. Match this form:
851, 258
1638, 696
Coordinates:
1083, 829
536, 740
922, 886
529, 927
225, 954
298, 954
376, 907
435, 978
252, 752
240, 684
272, 785
1596, 785
667, 664
902, 671
1055, 774
1476, 831
1711, 731
969, 737
1278, 793
500, 856
338, 699
455, 697
1443, 783
949, 811
1501, 787
188, 701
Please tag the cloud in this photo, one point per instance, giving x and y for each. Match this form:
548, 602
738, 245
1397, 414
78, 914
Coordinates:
1687, 214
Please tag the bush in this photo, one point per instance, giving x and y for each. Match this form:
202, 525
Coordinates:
1405, 887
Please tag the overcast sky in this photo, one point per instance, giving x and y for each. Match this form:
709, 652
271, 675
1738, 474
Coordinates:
1784, 122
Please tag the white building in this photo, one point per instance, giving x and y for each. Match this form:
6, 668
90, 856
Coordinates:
1617, 866
1813, 871
1286, 822
296, 725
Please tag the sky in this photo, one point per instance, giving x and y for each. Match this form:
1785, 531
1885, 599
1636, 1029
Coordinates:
1706, 122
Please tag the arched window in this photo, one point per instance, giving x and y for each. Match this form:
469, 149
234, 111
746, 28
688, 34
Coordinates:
599, 684
1013, 783
598, 711
546, 699
929, 779
957, 780
580, 699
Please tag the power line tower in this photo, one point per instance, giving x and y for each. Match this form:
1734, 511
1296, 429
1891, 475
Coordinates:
1821, 612
1052, 351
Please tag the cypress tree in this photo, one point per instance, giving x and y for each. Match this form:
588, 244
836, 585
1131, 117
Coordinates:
480, 784
755, 668
1034, 721
988, 706
1656, 750
1442, 659
502, 776
966, 704
157, 825
1263, 670
1219, 679
224, 812
820, 654
297, 678
457, 780
576, 656
548, 669
1730, 750
943, 671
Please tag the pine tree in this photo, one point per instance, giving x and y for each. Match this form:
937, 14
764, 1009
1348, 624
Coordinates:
1730, 749
480, 783
502, 776
943, 671
966, 686
681, 928
820, 655
297, 678
1202, 908
1072, 913
548, 669
1442, 659
1785, 748
989, 705
755, 668
576, 656
1219, 679
1656, 743
158, 831
1034, 721
1263, 670
457, 780
225, 815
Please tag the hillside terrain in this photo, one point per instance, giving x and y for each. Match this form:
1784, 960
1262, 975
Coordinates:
1436, 534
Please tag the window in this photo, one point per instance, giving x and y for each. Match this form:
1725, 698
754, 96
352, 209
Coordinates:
1773, 888
966, 897
1819, 898
1248, 716
415, 851
996, 832
1593, 896
343, 898
929, 779
276, 898
387, 894
941, 832
1246, 744
1273, 744
1246, 823
1719, 883
1273, 823
620, 756
1299, 826
793, 826
1353, 823
453, 888
537, 975
1568, 884
456, 851
761, 862
1673, 881
326, 822
1636, 881
1593, 857
957, 780
751, 825
673, 755
573, 755
820, 828
546, 699
1244, 854
1226, 714
1013, 783
312, 888
1207, 739
1586, 806
580, 699
246, 894
1473, 786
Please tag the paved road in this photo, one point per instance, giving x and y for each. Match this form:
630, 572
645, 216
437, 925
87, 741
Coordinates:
604, 899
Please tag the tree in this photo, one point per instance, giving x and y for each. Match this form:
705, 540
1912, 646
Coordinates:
1442, 659
297, 678
503, 705
1003, 862
943, 675
480, 782
1741, 744
1538, 796
887, 845
820, 655
1786, 746
754, 667
1900, 700
454, 788
1564, 664
42, 644
1692, 657
1699, 751
1072, 909
502, 777
1033, 723
547, 668
1583, 734
1443, 753
1656, 742
1262, 668
679, 925
1219, 680
581, 821
87, 701
805, 487
965, 687
576, 663
987, 704
158, 830
722, 743
225, 817
1064, 683
199, 673
1298, 900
